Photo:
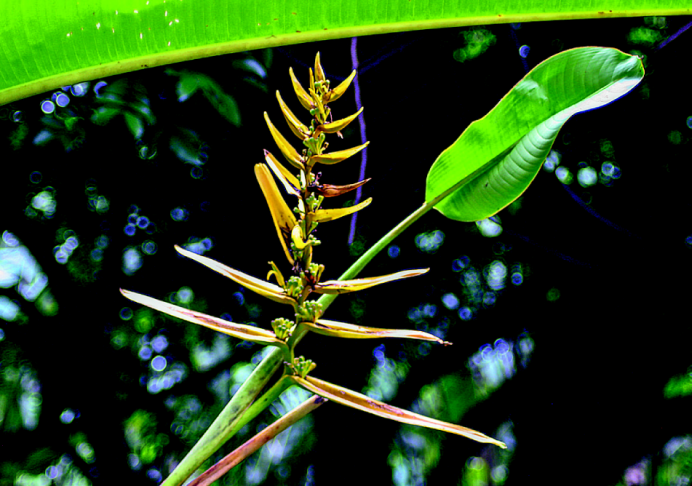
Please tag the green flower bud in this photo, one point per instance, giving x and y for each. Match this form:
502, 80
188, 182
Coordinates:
294, 287
282, 328
302, 366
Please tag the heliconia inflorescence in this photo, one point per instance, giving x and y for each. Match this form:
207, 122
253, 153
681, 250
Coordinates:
295, 227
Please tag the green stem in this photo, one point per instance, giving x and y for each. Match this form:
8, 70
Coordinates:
239, 411
248, 448
241, 408
359, 264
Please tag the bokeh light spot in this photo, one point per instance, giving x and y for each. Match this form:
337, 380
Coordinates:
149, 247
132, 261
393, 251
67, 416
126, 313
564, 175
79, 89
179, 214
158, 363
60, 99
160, 343
460, 263
145, 353
35, 177
465, 314
450, 301
489, 228
524, 51
587, 176
142, 222
553, 295
430, 242
47, 107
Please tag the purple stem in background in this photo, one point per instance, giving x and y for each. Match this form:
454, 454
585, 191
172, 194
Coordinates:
364, 152
672, 37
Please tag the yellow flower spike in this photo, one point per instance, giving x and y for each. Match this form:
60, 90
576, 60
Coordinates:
319, 72
261, 287
299, 129
297, 238
324, 215
289, 181
345, 286
338, 92
328, 190
351, 331
336, 157
286, 148
277, 275
311, 86
302, 95
240, 331
364, 403
337, 125
283, 217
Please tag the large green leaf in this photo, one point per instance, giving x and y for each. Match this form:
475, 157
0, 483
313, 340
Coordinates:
49, 43
497, 157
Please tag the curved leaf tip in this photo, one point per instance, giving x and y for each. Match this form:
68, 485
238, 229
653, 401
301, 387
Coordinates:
496, 158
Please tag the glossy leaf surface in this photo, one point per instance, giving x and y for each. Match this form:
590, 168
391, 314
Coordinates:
362, 402
497, 157
46, 44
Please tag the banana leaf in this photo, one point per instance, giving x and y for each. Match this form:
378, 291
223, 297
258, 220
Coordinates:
45, 44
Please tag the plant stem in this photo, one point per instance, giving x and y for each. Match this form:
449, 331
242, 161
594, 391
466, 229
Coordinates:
234, 415
240, 409
359, 264
241, 453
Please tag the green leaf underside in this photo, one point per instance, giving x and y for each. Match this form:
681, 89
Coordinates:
364, 403
45, 44
496, 158
240, 331
352, 331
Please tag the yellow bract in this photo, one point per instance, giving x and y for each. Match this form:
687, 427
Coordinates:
297, 127
286, 148
338, 92
284, 221
338, 125
324, 215
302, 95
288, 180
336, 157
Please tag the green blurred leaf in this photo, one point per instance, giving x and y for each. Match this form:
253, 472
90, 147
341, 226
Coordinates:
496, 158
45, 44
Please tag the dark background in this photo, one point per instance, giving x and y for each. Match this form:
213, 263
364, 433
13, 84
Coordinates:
587, 404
